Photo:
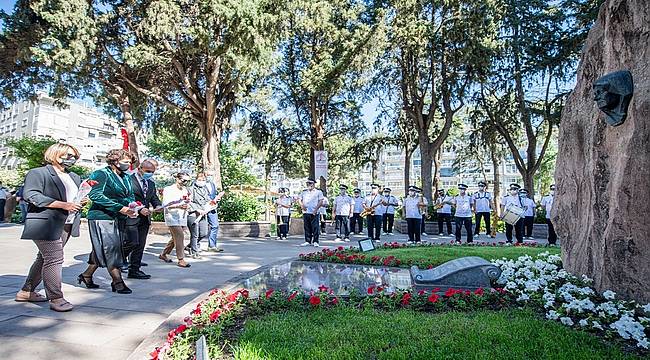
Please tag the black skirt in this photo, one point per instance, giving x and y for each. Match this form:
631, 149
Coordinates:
106, 237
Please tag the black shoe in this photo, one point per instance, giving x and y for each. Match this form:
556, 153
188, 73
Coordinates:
137, 274
120, 288
143, 264
87, 281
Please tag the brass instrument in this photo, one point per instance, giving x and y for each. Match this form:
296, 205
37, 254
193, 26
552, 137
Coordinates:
371, 210
422, 205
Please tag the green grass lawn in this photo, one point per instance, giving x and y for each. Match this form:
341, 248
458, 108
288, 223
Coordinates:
440, 254
347, 333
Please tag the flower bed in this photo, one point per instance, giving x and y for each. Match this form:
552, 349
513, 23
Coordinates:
539, 284
425, 256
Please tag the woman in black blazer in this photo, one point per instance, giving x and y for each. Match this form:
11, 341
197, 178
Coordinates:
52, 217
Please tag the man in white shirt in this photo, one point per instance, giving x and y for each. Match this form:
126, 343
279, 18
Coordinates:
443, 211
412, 213
310, 202
389, 211
513, 199
482, 202
342, 210
282, 206
323, 215
463, 216
3, 200
373, 202
547, 204
529, 214
357, 222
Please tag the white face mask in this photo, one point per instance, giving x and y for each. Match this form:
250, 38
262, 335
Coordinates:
200, 183
411, 193
514, 192
552, 192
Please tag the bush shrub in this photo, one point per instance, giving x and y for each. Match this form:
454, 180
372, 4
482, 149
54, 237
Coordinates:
239, 207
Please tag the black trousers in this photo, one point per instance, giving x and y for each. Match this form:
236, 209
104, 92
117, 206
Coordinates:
342, 226
552, 236
2, 209
444, 218
413, 225
519, 231
311, 227
467, 222
528, 225
354, 220
323, 223
135, 240
374, 226
477, 218
282, 225
388, 221
423, 225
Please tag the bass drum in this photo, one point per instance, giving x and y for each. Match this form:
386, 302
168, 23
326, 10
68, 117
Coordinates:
512, 214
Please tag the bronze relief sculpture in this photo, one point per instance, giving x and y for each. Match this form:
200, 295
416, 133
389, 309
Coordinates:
613, 93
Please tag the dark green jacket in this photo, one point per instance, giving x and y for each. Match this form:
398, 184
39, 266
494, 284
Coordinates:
109, 196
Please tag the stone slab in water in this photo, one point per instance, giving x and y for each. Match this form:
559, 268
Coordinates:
470, 272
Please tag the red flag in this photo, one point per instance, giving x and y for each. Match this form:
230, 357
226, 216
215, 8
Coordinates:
125, 139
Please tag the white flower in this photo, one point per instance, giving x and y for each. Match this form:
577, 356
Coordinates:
523, 298
646, 308
596, 325
643, 343
566, 321
552, 315
583, 322
628, 328
609, 295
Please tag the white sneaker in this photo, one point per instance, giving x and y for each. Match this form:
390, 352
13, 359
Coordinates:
441, 234
347, 240
378, 241
424, 234
305, 244
390, 234
384, 233
477, 236
316, 244
338, 240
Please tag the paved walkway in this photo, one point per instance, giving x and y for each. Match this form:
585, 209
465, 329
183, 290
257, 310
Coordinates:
106, 325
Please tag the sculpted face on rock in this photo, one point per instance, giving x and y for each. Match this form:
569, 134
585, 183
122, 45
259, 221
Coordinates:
613, 93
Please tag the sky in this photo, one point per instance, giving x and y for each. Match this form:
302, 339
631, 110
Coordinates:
7, 5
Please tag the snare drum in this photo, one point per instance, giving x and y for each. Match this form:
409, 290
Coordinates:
512, 214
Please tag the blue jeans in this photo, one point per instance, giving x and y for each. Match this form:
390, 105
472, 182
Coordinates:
213, 221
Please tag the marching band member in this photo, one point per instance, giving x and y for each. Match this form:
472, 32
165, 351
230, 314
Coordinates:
463, 217
310, 202
482, 200
370, 205
513, 199
358, 208
282, 211
412, 205
323, 213
342, 210
444, 211
547, 204
389, 211
529, 215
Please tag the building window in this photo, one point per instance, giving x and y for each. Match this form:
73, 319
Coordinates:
417, 162
91, 135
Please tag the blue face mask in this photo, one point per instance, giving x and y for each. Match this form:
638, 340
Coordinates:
147, 175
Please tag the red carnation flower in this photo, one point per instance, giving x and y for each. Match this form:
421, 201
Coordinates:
406, 298
479, 291
292, 296
314, 300
138, 203
421, 292
433, 298
335, 301
323, 288
244, 293
269, 292
215, 315
340, 248
92, 182
180, 328
371, 289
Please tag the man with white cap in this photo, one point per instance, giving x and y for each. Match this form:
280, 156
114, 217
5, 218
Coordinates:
412, 213
356, 222
463, 216
311, 201
513, 199
389, 212
370, 204
529, 215
547, 204
323, 214
282, 206
482, 200
342, 210
443, 210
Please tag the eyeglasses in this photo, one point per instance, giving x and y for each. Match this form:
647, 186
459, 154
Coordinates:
70, 156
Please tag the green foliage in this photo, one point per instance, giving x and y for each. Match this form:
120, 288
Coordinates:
10, 178
239, 207
232, 169
175, 146
30, 149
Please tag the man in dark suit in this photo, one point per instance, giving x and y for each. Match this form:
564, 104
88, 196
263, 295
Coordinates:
137, 229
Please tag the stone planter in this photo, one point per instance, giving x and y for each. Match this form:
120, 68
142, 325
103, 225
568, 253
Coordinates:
431, 227
226, 229
296, 227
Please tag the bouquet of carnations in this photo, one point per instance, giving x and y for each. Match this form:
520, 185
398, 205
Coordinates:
84, 190
136, 206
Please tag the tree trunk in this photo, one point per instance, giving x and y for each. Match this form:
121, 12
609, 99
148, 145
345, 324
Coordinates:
529, 183
210, 155
496, 164
437, 161
125, 106
267, 176
407, 169
426, 156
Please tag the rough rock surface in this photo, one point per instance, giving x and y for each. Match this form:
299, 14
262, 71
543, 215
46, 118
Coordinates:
602, 203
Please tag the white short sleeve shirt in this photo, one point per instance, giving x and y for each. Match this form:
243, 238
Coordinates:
411, 210
482, 201
282, 211
343, 204
446, 208
310, 199
547, 203
463, 206
358, 202
530, 206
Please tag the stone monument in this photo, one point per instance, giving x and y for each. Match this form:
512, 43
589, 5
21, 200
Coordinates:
470, 272
602, 200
